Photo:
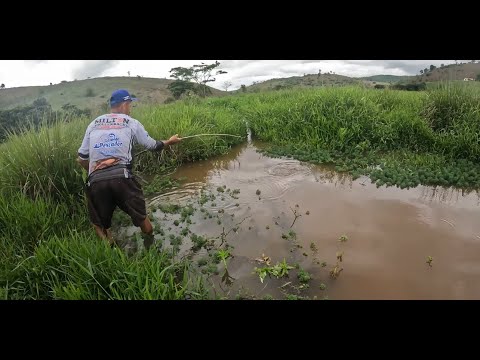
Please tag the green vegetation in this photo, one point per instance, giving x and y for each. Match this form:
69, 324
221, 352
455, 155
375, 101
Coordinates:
35, 115
279, 270
79, 266
43, 207
408, 138
201, 74
386, 78
77, 93
47, 247
188, 117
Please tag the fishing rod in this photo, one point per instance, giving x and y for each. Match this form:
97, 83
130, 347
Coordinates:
193, 136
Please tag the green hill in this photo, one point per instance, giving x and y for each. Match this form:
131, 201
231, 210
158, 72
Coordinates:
445, 73
450, 72
90, 93
309, 80
386, 78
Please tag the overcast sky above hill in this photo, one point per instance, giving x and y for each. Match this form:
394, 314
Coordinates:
15, 73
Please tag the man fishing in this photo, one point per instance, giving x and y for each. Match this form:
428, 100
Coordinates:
106, 154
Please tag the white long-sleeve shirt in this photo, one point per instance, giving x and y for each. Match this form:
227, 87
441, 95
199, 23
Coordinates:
112, 136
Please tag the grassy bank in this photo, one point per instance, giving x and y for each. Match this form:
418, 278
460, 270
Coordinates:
415, 138
79, 266
47, 248
43, 217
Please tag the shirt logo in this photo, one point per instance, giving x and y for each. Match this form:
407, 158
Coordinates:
108, 141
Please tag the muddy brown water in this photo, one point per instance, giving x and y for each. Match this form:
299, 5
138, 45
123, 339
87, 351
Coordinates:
390, 232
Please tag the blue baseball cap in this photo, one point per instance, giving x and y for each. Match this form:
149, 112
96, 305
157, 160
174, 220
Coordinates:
119, 96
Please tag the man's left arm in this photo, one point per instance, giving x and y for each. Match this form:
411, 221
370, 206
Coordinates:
83, 152
83, 163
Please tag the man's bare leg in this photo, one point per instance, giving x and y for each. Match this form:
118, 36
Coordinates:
147, 229
105, 234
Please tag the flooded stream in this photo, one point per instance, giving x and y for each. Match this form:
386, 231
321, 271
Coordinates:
422, 243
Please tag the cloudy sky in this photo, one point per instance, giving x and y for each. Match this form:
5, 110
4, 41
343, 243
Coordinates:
15, 73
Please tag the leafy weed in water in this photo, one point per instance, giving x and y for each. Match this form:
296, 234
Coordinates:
335, 271
279, 270
202, 262
303, 276
169, 208
429, 261
176, 241
198, 242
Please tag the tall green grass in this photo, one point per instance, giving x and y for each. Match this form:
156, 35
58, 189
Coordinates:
80, 267
26, 221
338, 118
42, 162
189, 117
452, 111
48, 251
444, 120
356, 128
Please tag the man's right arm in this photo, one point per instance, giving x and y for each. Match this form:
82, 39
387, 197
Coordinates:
155, 145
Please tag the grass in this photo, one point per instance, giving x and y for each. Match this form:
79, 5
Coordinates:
42, 162
81, 267
26, 222
358, 129
189, 118
396, 138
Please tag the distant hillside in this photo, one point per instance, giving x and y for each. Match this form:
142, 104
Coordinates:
309, 80
90, 93
386, 78
445, 73
450, 72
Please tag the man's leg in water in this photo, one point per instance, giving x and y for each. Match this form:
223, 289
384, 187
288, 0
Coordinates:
130, 199
147, 230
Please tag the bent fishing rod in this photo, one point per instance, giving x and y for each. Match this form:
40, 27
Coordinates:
193, 136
